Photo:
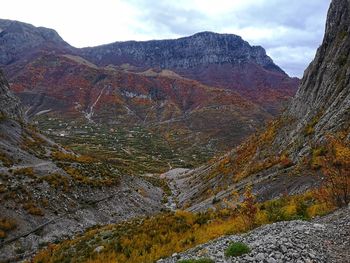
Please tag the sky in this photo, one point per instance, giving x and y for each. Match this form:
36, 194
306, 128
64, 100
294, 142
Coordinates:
289, 30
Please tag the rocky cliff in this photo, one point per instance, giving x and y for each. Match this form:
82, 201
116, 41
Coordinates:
201, 94
324, 94
10, 105
201, 49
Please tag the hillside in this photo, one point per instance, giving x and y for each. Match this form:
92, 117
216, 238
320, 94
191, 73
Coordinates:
191, 98
48, 193
287, 156
92, 205
219, 60
321, 240
185, 121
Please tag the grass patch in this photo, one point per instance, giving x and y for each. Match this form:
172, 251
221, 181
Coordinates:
237, 249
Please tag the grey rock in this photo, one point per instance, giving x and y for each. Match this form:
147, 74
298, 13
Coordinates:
99, 249
200, 49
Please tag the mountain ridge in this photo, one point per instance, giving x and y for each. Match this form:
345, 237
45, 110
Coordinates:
219, 60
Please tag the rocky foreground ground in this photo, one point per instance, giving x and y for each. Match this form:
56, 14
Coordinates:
325, 239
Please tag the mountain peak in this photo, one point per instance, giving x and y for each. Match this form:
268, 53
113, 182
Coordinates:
17, 39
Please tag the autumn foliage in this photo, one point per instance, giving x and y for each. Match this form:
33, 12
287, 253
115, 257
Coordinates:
149, 239
336, 170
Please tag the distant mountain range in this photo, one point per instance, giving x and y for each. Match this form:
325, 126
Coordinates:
212, 90
219, 60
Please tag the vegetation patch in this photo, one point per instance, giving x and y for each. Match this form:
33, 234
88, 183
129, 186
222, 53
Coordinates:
32, 209
237, 249
149, 239
6, 225
6, 160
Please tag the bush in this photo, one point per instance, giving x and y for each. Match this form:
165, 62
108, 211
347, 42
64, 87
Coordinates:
6, 225
237, 249
28, 171
202, 260
33, 209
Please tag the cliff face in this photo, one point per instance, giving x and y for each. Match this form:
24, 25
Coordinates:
200, 49
9, 104
324, 94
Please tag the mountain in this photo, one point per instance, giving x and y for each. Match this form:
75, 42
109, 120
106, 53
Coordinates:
287, 156
195, 97
182, 111
48, 193
219, 60
19, 41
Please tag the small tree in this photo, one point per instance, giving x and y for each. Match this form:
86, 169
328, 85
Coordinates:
336, 170
249, 208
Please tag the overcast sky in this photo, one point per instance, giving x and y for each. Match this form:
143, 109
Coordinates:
290, 30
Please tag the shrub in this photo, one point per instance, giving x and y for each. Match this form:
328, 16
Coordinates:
237, 249
2, 116
28, 171
6, 225
33, 209
202, 260
5, 160
336, 170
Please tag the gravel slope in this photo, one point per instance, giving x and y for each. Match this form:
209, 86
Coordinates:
325, 239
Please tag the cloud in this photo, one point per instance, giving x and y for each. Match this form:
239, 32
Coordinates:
290, 30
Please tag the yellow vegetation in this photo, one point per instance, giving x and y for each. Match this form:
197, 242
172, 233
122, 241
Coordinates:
6, 225
148, 239
32, 209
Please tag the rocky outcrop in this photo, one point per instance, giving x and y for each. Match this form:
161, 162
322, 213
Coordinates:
9, 104
324, 95
201, 49
323, 240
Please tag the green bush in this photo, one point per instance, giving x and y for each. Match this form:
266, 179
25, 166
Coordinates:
237, 249
202, 260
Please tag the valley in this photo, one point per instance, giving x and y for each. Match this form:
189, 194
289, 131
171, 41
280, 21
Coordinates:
181, 150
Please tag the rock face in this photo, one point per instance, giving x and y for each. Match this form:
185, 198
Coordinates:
324, 93
324, 240
19, 40
9, 104
216, 88
200, 49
